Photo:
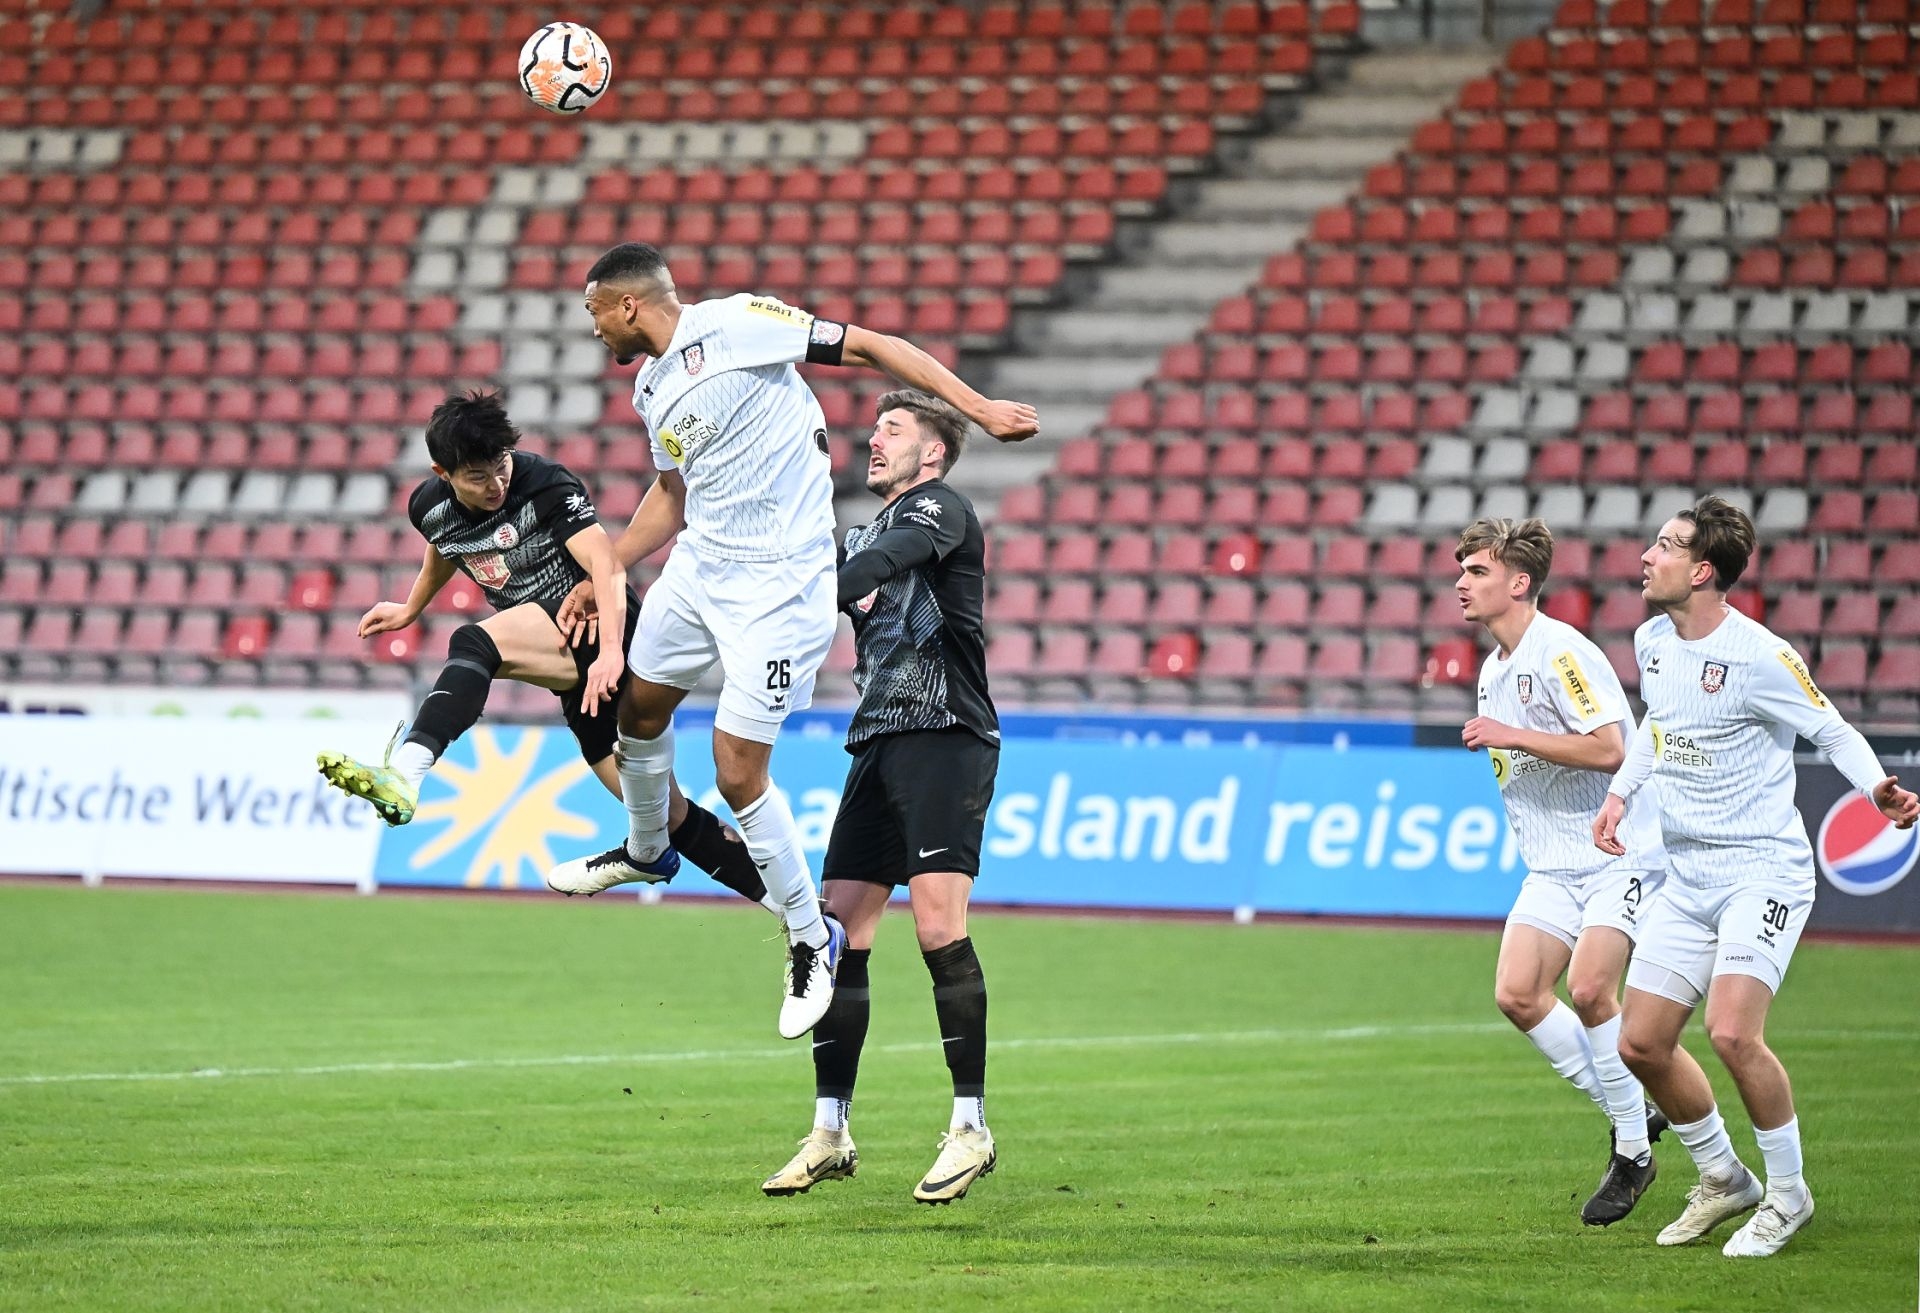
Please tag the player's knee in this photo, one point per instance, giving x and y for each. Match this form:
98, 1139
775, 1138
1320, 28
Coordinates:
1643, 1053
937, 935
1593, 999
473, 645
640, 721
741, 786
1735, 1042
1524, 1008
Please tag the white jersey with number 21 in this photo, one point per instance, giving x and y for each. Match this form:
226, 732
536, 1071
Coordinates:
1557, 682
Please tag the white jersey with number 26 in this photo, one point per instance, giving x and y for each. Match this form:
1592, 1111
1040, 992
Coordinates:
726, 407
1557, 682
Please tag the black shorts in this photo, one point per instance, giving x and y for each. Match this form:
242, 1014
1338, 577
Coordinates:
914, 802
597, 733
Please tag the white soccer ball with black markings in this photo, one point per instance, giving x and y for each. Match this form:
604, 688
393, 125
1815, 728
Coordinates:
565, 67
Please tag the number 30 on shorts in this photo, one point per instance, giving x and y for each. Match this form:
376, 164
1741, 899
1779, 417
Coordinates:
1776, 914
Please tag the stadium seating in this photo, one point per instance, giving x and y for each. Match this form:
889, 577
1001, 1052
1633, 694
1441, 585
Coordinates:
245, 249
1659, 252
1664, 248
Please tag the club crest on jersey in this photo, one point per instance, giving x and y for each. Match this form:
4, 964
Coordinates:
693, 359
1713, 677
1525, 684
506, 537
489, 569
825, 332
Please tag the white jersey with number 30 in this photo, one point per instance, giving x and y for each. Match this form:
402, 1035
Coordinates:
726, 407
1557, 682
1722, 713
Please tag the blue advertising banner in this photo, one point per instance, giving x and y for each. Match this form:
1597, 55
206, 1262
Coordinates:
1280, 828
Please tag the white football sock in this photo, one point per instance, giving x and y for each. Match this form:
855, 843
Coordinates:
831, 1114
1781, 1148
411, 761
1712, 1149
646, 785
772, 837
1563, 1041
969, 1113
1626, 1101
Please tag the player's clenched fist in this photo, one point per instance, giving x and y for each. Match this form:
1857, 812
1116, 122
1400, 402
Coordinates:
1486, 732
1010, 421
384, 617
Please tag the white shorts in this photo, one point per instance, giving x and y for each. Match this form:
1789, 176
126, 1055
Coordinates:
1695, 933
768, 623
1612, 897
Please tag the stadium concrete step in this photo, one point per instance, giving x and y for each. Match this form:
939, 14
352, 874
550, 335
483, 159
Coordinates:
1057, 378
1207, 241
1083, 332
1110, 333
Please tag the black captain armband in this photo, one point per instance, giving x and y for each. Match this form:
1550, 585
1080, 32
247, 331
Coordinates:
825, 343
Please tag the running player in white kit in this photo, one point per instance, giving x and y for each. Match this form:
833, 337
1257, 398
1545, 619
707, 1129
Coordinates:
1725, 698
1555, 720
741, 446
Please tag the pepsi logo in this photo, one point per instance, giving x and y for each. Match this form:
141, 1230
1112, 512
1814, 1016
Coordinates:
1860, 851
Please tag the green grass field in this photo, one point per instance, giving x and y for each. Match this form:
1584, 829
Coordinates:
292, 1101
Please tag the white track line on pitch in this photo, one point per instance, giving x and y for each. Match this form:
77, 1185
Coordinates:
1039, 1042
755, 1055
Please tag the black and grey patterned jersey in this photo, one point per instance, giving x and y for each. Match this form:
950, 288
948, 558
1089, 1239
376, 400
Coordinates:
518, 553
921, 648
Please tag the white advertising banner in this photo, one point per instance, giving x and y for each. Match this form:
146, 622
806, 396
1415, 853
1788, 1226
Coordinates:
204, 703
191, 799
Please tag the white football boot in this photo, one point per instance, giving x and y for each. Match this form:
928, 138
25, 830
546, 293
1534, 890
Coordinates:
810, 975
824, 1156
966, 1155
1767, 1230
1708, 1205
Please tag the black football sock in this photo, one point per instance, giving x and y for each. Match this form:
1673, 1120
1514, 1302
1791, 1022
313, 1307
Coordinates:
960, 1003
842, 1032
460, 694
718, 851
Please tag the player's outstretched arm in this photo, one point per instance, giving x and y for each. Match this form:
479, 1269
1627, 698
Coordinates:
662, 513
1009, 421
435, 573
1783, 692
594, 550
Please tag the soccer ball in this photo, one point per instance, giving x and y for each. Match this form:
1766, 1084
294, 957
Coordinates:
564, 67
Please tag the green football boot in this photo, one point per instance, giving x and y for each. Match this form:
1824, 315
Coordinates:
389, 792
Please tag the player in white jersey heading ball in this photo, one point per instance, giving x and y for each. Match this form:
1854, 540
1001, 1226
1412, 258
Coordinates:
1554, 718
1725, 698
741, 446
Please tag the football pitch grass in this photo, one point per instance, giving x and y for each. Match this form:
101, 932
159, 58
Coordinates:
306, 1101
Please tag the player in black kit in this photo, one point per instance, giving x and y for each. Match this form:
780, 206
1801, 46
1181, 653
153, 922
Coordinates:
926, 745
524, 529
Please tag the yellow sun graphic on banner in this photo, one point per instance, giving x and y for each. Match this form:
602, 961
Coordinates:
515, 816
